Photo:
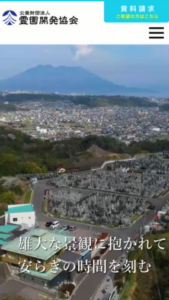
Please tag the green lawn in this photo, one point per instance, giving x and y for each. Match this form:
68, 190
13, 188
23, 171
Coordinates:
136, 218
80, 221
27, 197
45, 206
114, 226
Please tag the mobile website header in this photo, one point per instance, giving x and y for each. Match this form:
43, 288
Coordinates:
84, 22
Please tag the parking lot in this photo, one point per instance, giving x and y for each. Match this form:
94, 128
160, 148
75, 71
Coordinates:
61, 227
77, 233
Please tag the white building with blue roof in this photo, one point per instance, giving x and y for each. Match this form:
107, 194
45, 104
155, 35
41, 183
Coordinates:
20, 214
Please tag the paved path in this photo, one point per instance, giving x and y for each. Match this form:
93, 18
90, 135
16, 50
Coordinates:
81, 189
112, 162
92, 281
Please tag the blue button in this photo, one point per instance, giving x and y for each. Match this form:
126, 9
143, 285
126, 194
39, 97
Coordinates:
136, 11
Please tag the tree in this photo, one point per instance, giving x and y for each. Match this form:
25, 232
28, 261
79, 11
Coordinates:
31, 167
3, 208
8, 197
166, 296
44, 169
8, 164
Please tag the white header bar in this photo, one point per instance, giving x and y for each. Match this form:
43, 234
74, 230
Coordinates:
90, 28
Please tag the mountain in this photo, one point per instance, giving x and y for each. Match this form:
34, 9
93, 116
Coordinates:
65, 80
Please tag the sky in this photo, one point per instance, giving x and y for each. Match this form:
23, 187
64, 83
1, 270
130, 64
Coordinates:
132, 66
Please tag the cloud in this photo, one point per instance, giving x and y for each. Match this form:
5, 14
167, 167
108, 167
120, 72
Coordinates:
82, 51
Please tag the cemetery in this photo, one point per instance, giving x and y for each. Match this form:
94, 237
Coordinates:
149, 164
97, 207
109, 196
139, 184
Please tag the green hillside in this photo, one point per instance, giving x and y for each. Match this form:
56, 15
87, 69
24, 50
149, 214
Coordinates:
89, 101
22, 154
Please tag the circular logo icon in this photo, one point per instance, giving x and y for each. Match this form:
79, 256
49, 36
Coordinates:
9, 17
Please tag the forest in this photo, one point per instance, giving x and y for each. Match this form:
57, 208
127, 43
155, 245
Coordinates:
23, 154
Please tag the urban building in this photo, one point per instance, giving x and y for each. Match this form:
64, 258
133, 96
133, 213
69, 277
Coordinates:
8, 233
40, 255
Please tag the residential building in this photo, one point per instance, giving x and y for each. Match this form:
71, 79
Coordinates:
21, 214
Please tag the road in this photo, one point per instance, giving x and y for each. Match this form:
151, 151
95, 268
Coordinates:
112, 162
92, 281
21, 290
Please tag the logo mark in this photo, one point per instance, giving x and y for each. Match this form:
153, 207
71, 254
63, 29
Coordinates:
9, 17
